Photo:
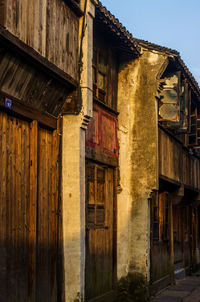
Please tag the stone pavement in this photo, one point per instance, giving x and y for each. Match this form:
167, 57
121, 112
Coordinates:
186, 290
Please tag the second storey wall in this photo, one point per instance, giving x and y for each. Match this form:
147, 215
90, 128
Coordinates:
49, 27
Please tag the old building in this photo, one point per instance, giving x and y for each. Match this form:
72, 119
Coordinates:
41, 50
160, 180
99, 168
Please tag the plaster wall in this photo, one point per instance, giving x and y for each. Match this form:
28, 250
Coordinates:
73, 171
138, 159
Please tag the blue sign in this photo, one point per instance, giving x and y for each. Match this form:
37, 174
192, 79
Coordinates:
8, 103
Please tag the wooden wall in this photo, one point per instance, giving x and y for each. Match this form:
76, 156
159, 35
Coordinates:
48, 26
29, 211
29, 85
176, 163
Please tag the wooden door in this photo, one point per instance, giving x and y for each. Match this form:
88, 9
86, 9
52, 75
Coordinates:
99, 231
14, 207
160, 245
28, 209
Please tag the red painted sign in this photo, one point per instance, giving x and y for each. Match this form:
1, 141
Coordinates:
101, 133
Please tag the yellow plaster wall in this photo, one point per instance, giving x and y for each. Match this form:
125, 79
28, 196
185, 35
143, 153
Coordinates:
138, 159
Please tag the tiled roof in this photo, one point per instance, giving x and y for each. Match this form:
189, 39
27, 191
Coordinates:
176, 55
117, 28
150, 45
134, 44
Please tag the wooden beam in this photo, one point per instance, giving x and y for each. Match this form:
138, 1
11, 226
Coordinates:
167, 179
16, 45
33, 209
101, 157
26, 111
73, 4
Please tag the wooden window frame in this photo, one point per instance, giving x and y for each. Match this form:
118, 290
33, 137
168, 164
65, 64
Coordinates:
96, 207
99, 93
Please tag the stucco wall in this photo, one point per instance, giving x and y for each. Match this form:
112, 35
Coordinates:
73, 172
138, 159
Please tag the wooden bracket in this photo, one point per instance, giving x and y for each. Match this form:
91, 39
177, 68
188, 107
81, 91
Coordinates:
178, 195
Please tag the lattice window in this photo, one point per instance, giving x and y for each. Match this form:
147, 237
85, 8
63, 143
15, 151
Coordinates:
95, 196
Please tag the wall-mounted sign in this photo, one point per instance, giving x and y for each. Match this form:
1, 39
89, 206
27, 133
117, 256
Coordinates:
8, 103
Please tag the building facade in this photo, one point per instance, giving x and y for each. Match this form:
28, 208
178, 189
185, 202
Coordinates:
99, 136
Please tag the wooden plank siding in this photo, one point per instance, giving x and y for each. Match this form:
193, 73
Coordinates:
175, 162
49, 27
99, 233
26, 84
29, 178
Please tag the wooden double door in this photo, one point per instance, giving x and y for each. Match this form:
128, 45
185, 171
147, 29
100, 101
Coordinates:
29, 223
100, 232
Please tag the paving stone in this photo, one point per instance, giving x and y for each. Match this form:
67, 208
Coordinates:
174, 293
186, 290
194, 296
182, 287
167, 299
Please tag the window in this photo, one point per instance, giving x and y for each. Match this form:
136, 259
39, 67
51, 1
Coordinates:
105, 70
99, 75
95, 195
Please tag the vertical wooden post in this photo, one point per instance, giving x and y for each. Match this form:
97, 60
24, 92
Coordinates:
183, 225
171, 239
196, 228
33, 208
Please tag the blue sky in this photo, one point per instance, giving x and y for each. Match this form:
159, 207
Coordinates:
171, 23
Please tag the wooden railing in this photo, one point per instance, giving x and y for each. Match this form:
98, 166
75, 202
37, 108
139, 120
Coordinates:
175, 162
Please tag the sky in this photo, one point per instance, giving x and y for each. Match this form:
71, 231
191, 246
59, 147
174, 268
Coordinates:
170, 23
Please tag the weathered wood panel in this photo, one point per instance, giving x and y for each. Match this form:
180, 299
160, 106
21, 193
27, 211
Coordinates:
49, 27
30, 86
14, 198
104, 51
160, 261
28, 207
160, 243
176, 163
99, 235
46, 249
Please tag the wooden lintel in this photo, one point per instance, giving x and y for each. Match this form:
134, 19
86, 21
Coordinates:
27, 112
16, 45
101, 157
